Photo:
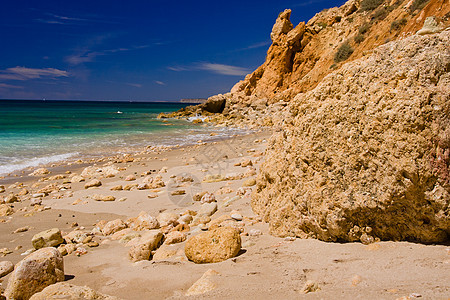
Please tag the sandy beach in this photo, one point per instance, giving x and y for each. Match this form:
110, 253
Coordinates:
267, 267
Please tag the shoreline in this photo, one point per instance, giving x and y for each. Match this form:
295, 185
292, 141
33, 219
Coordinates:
81, 160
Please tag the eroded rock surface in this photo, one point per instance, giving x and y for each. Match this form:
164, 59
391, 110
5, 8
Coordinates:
365, 155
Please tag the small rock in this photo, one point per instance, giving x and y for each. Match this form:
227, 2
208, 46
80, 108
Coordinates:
104, 198
5, 210
117, 188
198, 196
254, 232
93, 183
6, 267
11, 198
178, 192
236, 216
207, 209
356, 280
310, 287
47, 238
145, 221
130, 178
35, 201
249, 182
185, 219
76, 178
22, 229
143, 186
39, 172
174, 237
208, 198
167, 218
146, 244
113, 226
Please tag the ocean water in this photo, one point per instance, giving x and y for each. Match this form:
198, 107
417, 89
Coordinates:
33, 133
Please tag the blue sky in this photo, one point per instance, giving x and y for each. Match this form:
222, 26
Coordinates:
135, 50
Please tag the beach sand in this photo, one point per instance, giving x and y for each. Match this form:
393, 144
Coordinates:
268, 267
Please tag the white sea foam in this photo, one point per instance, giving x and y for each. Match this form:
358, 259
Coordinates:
33, 162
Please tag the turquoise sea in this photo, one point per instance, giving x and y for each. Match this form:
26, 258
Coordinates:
41, 132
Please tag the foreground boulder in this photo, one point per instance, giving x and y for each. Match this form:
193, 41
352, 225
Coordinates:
69, 291
366, 154
47, 238
213, 246
35, 272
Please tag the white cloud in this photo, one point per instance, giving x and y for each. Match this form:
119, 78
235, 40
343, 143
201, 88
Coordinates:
224, 69
23, 73
159, 82
214, 68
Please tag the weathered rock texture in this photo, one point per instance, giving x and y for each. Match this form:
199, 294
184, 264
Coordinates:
301, 56
69, 291
365, 154
35, 272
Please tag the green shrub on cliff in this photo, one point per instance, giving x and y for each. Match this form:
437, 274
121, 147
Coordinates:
397, 24
343, 53
369, 5
417, 5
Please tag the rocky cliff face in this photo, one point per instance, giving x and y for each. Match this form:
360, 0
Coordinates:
365, 155
301, 56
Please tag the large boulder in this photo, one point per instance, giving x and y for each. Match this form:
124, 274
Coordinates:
64, 290
366, 154
214, 104
48, 238
35, 272
213, 246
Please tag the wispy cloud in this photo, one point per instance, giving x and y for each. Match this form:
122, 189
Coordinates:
10, 86
159, 82
178, 69
254, 46
223, 69
86, 55
137, 85
52, 18
23, 73
213, 68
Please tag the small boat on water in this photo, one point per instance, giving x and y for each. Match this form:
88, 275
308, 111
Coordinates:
119, 112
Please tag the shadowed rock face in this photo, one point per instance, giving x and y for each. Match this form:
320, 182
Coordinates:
365, 155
